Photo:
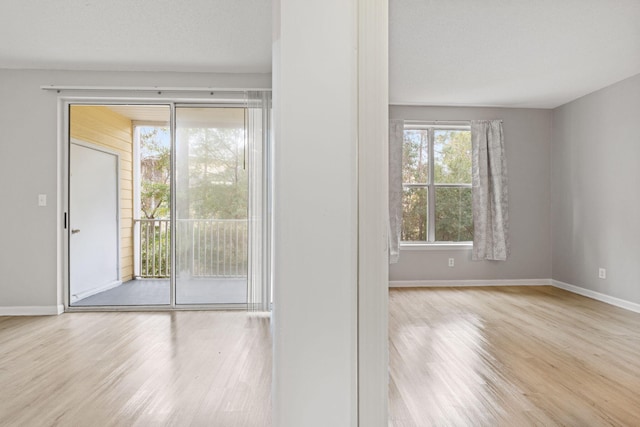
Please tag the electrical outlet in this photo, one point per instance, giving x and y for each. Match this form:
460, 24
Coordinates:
602, 273
451, 262
42, 200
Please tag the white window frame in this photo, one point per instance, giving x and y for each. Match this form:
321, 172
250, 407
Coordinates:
431, 186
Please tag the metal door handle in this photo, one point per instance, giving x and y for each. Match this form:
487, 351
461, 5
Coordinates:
74, 231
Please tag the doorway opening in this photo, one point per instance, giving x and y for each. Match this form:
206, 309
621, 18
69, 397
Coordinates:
167, 205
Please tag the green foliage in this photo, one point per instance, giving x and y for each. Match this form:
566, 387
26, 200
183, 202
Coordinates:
452, 165
217, 185
454, 219
415, 170
214, 159
155, 172
452, 157
415, 157
211, 184
414, 214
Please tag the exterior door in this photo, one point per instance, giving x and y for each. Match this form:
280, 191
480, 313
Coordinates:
93, 221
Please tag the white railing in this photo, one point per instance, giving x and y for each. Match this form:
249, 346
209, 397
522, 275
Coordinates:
153, 237
205, 247
212, 248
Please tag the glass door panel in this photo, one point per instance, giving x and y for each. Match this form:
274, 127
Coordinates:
119, 211
211, 202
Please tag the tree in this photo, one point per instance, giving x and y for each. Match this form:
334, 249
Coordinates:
452, 165
217, 184
452, 162
217, 181
155, 181
415, 161
212, 184
155, 172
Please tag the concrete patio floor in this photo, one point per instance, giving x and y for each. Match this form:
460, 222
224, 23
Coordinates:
157, 292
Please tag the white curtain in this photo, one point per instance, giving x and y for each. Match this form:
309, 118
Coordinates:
257, 146
490, 196
396, 132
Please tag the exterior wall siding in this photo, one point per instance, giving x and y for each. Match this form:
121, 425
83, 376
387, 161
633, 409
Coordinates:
101, 126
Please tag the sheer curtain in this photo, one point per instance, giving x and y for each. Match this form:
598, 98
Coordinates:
396, 132
258, 124
490, 195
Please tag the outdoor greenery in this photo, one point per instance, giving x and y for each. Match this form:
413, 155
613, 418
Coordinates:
211, 185
155, 175
451, 164
155, 187
216, 185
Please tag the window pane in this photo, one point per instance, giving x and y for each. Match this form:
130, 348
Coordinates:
414, 214
454, 220
452, 156
415, 156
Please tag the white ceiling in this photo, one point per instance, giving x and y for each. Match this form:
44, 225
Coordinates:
512, 53
138, 35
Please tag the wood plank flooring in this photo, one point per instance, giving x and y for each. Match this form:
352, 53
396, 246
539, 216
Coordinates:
512, 356
195, 368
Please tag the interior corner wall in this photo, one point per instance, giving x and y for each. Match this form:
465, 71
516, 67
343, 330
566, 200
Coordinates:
103, 127
527, 135
595, 203
31, 246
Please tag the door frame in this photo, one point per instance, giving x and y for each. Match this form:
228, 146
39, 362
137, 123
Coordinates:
105, 150
99, 98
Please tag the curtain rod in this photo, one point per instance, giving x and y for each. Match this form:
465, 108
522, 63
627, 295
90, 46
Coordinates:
159, 89
437, 122
443, 122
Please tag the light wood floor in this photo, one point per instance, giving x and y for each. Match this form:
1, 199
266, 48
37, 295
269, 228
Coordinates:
136, 369
513, 356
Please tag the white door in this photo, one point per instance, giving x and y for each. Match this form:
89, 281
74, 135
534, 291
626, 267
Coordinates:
93, 221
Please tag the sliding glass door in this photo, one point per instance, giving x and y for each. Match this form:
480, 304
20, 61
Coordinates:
169, 204
211, 205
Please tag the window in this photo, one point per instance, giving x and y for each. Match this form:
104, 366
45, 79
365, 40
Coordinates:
436, 176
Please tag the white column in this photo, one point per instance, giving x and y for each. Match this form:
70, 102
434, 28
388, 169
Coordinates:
373, 212
317, 76
315, 214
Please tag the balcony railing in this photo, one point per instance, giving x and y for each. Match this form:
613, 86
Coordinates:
153, 237
205, 248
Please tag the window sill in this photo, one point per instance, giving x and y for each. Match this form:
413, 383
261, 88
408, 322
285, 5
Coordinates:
436, 246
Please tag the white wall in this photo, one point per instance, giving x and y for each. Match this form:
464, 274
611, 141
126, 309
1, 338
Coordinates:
528, 144
315, 214
595, 201
31, 277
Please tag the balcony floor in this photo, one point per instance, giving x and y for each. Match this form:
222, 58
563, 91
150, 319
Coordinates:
157, 292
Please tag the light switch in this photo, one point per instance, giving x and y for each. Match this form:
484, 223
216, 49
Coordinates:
42, 200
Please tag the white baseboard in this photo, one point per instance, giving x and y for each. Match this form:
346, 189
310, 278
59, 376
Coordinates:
36, 310
90, 292
628, 305
467, 283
